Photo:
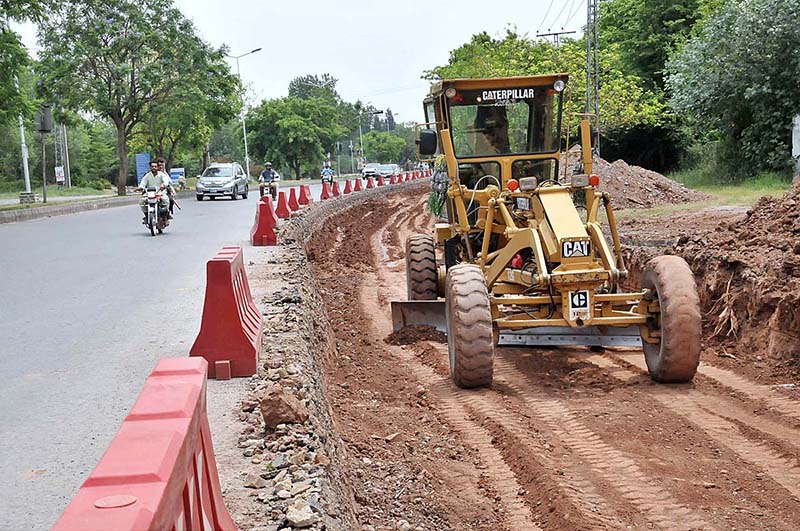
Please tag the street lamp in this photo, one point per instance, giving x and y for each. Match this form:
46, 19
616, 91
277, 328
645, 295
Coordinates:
244, 126
360, 135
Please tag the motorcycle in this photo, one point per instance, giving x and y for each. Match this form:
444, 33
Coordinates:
327, 177
156, 219
273, 189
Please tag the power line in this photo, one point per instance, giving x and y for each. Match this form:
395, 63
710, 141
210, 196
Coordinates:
559, 14
545, 15
575, 12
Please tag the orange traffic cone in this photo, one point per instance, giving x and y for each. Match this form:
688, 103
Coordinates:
347, 188
336, 191
283, 208
326, 192
357, 187
293, 204
305, 196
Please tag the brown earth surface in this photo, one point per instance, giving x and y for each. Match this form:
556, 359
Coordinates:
568, 439
637, 187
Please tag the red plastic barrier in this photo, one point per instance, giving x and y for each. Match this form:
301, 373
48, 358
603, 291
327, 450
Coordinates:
294, 206
347, 188
357, 187
283, 207
159, 472
392, 180
263, 231
231, 325
305, 196
381, 182
336, 191
326, 192
308, 193
370, 182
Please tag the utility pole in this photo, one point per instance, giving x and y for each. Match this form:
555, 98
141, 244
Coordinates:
556, 35
593, 70
66, 157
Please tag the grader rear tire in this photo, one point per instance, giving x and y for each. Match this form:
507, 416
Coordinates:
422, 275
470, 340
675, 357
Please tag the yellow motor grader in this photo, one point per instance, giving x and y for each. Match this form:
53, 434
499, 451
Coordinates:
520, 256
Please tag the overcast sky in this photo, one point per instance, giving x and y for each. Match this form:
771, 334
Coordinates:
376, 49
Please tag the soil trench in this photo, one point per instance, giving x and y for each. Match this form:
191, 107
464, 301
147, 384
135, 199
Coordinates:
566, 439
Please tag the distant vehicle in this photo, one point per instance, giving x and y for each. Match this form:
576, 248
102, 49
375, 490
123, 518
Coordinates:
223, 179
387, 170
327, 175
370, 170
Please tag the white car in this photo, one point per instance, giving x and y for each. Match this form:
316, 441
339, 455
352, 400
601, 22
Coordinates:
222, 179
370, 170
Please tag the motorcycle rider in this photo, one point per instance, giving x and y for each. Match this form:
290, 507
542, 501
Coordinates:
153, 180
168, 182
267, 177
327, 173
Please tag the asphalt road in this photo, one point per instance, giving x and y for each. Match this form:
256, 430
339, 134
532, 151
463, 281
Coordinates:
88, 303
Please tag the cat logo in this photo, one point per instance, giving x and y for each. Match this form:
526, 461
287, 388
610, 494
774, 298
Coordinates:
575, 249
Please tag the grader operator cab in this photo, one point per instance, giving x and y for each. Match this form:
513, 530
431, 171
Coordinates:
514, 259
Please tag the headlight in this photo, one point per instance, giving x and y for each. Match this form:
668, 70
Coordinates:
580, 181
527, 184
200, 186
559, 85
228, 184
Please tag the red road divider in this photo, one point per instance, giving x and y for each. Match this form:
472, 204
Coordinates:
230, 330
347, 188
294, 206
159, 472
336, 191
381, 182
326, 191
392, 180
283, 207
308, 193
263, 231
357, 187
305, 195
370, 182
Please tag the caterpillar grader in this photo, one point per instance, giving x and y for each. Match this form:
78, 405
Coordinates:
520, 255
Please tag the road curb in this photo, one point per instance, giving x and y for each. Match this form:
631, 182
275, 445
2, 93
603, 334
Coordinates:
28, 214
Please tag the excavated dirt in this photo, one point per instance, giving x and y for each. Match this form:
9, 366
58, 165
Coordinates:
412, 334
637, 187
747, 264
565, 439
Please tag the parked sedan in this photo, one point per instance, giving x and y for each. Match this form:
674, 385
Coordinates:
222, 179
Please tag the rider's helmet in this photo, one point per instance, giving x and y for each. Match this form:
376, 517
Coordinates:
268, 165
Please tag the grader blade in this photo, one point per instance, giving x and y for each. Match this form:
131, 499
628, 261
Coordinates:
412, 313
592, 336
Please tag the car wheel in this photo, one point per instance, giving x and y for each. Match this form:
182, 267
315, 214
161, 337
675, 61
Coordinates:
234, 194
246, 191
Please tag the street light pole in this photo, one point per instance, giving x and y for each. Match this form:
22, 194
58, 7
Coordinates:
244, 125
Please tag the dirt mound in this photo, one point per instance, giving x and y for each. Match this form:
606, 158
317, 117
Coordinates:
637, 187
748, 272
412, 334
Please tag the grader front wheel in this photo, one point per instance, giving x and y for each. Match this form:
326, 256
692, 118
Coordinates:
470, 340
422, 276
675, 357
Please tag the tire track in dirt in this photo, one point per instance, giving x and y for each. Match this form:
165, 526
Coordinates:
620, 471
694, 407
516, 514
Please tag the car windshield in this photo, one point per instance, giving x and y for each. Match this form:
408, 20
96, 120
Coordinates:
386, 167
372, 165
218, 171
506, 121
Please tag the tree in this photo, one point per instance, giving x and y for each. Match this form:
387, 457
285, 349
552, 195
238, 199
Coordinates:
739, 80
293, 132
390, 123
116, 58
14, 58
384, 147
313, 86
625, 102
206, 98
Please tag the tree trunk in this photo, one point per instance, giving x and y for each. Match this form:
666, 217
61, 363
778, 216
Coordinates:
297, 171
206, 157
122, 151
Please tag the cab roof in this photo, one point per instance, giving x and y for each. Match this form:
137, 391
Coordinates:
437, 87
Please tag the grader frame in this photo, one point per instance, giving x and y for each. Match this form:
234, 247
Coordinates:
521, 266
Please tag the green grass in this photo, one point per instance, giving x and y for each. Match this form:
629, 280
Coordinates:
54, 191
742, 193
